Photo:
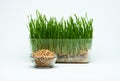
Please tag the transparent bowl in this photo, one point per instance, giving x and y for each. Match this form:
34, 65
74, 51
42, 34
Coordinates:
44, 61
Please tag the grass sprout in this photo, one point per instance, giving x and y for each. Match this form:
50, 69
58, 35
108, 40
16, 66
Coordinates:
63, 37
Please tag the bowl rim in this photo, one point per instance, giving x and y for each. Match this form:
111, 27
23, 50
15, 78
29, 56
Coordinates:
41, 57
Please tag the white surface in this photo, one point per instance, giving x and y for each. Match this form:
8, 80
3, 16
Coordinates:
14, 46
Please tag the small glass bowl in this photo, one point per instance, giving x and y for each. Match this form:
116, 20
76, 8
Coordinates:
45, 61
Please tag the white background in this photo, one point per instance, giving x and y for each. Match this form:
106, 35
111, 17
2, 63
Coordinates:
15, 64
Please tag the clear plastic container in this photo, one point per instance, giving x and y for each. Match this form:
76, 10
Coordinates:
67, 50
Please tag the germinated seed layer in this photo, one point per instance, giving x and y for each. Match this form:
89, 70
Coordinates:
43, 53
